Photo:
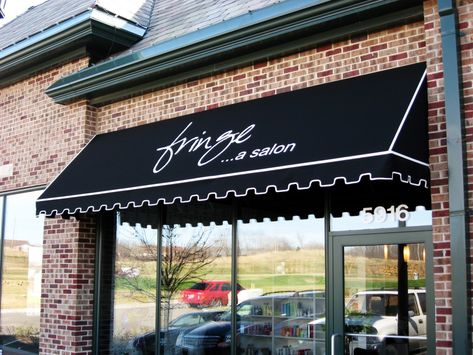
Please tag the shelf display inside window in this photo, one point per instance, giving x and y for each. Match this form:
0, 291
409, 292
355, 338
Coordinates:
283, 324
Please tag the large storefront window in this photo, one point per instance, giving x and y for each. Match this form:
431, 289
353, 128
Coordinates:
21, 273
251, 276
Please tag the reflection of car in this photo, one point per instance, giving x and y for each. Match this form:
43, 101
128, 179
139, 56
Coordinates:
376, 313
214, 338
208, 293
144, 344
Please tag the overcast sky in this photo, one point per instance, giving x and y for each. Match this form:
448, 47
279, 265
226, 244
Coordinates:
14, 8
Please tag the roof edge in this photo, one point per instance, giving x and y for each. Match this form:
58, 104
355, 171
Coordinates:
242, 35
85, 29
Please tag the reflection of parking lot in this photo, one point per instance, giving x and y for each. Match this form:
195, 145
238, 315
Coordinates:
20, 317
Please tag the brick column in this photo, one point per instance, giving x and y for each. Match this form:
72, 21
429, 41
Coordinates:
439, 179
67, 286
439, 165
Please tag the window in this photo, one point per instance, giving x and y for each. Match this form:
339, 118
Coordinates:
272, 251
22, 240
412, 305
422, 302
281, 266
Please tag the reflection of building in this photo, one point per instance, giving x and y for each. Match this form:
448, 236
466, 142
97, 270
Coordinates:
19, 245
244, 114
35, 255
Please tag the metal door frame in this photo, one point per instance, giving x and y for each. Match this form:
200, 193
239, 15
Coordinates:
338, 240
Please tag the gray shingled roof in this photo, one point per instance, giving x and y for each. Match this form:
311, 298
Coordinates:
51, 12
170, 18
174, 18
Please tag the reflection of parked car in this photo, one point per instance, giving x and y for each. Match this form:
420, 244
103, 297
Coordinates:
145, 344
374, 313
214, 338
208, 293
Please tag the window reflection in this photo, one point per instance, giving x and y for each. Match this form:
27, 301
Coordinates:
21, 272
420, 217
135, 288
281, 267
196, 286
385, 288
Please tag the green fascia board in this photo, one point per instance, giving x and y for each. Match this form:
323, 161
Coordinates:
85, 29
286, 21
257, 55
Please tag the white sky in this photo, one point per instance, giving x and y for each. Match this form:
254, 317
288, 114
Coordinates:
14, 8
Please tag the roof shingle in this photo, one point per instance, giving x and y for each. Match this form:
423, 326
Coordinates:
169, 18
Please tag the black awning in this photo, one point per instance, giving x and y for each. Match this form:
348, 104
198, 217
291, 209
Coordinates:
370, 127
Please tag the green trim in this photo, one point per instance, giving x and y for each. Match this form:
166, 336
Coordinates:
232, 43
91, 28
3, 216
161, 213
234, 277
97, 283
361, 27
27, 71
457, 195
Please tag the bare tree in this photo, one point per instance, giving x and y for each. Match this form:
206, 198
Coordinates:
183, 263
182, 260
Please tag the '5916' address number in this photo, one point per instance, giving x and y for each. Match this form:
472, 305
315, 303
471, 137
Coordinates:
380, 214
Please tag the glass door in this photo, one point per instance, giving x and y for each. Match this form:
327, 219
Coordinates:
382, 293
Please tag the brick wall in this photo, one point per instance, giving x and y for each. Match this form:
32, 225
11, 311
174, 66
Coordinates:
39, 138
439, 179
361, 55
67, 286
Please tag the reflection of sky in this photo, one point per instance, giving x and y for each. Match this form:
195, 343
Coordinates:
21, 222
213, 233
295, 233
182, 235
129, 235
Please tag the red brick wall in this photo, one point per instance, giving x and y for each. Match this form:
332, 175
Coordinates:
365, 54
39, 138
67, 286
439, 180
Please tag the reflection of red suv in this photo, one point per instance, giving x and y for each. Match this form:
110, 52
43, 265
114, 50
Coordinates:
208, 293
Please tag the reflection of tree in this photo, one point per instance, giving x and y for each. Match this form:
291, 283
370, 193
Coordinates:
182, 262
136, 269
183, 259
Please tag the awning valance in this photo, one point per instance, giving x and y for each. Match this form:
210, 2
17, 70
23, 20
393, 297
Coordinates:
373, 126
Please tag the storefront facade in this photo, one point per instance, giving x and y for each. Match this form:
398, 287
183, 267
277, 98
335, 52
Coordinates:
284, 172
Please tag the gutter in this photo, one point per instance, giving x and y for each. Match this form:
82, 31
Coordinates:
235, 40
89, 28
456, 175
